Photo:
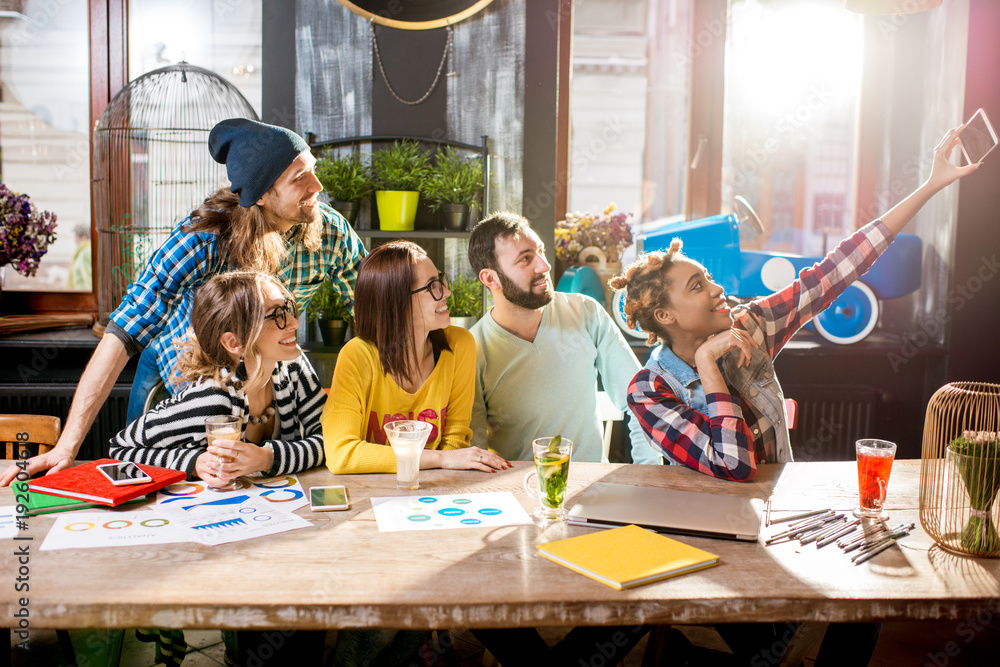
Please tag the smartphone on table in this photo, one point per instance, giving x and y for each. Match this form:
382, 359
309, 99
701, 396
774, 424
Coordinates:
977, 138
325, 498
124, 473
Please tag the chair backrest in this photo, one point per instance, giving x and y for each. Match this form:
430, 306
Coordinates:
23, 431
156, 394
791, 412
609, 414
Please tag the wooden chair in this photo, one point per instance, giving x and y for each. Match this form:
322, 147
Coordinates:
20, 434
156, 394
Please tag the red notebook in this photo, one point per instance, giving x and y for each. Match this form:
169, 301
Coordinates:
85, 482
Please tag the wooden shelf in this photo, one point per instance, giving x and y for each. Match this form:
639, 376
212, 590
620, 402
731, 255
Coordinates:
414, 234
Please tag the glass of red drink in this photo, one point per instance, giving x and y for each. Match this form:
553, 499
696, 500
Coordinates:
874, 465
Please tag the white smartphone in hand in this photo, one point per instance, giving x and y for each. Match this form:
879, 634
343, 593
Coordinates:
121, 474
325, 498
977, 138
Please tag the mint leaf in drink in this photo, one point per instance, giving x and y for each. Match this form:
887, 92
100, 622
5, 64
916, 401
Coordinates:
554, 444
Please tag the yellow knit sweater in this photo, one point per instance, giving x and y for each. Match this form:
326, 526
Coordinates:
363, 398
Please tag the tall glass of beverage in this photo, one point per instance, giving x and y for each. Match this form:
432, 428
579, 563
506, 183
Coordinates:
552, 457
874, 465
407, 439
224, 428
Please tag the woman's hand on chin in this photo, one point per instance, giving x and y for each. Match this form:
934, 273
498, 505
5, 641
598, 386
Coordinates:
721, 343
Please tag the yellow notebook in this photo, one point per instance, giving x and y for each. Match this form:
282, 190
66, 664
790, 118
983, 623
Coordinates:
627, 556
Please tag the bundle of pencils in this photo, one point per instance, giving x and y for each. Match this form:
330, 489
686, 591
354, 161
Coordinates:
824, 527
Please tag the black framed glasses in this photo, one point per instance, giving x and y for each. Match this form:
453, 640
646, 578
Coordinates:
435, 287
280, 313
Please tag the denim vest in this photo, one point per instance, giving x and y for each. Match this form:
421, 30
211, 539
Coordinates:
755, 383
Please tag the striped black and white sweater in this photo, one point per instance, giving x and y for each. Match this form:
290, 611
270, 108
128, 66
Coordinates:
172, 435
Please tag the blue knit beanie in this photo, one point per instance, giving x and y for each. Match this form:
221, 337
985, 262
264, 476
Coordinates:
255, 155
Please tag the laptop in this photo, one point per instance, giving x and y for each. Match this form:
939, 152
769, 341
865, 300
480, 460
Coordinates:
607, 505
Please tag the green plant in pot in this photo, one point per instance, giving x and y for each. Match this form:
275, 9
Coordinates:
976, 456
346, 179
399, 173
465, 304
454, 187
331, 314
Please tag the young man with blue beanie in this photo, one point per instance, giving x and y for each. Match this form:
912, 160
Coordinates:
268, 219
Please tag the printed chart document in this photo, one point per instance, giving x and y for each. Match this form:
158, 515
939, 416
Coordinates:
283, 493
86, 530
220, 526
8, 522
461, 510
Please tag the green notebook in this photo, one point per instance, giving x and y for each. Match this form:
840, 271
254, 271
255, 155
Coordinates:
42, 503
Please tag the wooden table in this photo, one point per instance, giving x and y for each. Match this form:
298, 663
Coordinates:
344, 573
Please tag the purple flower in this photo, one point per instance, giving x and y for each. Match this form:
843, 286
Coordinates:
25, 234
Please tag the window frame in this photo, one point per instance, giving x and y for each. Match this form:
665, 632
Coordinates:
108, 42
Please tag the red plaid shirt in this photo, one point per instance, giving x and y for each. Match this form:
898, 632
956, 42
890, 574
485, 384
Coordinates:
718, 440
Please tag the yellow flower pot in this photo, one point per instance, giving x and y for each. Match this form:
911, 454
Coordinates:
397, 209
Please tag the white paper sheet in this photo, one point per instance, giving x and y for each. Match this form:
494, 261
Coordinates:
86, 530
163, 524
284, 493
463, 510
246, 522
8, 522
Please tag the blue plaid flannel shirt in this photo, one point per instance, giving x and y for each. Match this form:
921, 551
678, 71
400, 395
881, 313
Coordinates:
157, 307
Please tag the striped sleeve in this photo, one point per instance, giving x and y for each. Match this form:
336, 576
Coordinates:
299, 400
172, 435
719, 444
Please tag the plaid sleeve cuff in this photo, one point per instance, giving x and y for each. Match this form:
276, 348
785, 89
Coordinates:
723, 405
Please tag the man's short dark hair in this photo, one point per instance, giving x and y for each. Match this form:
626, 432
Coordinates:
483, 241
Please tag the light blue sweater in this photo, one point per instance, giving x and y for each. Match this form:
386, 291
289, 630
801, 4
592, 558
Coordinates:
547, 387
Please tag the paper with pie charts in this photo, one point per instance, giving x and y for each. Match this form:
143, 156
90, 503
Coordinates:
283, 492
162, 524
460, 510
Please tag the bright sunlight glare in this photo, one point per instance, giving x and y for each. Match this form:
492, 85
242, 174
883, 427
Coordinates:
778, 53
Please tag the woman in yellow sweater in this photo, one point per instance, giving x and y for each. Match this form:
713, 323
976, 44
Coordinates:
404, 363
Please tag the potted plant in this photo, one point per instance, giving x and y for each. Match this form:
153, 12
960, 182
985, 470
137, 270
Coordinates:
332, 315
976, 457
398, 174
454, 187
465, 305
346, 180
596, 241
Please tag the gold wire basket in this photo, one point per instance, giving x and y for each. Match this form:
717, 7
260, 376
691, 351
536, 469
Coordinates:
960, 468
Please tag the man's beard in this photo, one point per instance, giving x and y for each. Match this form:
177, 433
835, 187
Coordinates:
301, 216
301, 221
524, 298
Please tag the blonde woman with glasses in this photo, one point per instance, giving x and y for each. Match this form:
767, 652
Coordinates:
242, 360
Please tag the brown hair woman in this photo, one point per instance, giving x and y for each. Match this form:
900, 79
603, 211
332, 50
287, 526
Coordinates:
405, 363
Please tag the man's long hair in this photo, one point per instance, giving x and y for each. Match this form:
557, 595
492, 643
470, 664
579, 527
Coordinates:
246, 239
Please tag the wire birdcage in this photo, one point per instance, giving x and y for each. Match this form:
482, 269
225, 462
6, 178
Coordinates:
152, 167
960, 468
